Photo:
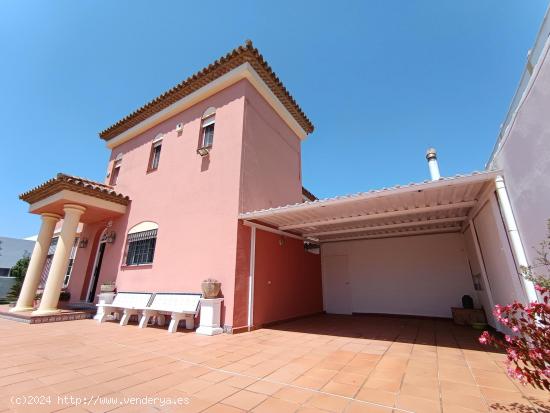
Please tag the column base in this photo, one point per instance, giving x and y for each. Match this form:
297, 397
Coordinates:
46, 312
21, 309
209, 331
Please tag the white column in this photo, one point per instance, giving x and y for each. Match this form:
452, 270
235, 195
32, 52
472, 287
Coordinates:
60, 260
513, 233
36, 264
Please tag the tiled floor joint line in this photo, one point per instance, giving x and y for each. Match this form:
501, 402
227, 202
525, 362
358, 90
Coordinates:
351, 399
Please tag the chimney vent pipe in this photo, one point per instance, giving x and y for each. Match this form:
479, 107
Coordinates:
431, 156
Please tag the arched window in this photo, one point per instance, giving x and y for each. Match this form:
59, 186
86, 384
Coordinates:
141, 242
207, 127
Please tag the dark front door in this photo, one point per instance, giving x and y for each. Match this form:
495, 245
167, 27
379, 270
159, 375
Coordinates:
95, 276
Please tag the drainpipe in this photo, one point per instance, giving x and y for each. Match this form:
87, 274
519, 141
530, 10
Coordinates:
431, 156
513, 234
251, 278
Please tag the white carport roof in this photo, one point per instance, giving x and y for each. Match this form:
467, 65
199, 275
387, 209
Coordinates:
418, 208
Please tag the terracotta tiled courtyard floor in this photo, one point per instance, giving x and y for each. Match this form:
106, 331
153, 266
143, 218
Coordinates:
323, 363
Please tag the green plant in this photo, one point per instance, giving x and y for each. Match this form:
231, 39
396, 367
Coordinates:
18, 271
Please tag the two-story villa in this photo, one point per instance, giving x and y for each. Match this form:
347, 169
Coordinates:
182, 167
205, 182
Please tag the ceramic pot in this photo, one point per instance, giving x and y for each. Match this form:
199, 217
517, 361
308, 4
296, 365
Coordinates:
210, 289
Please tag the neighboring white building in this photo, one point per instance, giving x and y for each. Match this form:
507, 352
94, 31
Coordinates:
522, 150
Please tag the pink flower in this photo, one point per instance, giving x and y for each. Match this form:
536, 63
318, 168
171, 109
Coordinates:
485, 338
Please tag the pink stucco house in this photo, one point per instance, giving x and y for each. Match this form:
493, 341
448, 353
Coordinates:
182, 168
205, 181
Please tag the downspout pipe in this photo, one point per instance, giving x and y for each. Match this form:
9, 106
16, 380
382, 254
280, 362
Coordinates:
251, 278
513, 234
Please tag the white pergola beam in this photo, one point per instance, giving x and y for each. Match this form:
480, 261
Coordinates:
273, 230
389, 226
389, 214
395, 234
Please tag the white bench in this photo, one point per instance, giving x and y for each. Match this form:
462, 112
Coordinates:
127, 303
180, 306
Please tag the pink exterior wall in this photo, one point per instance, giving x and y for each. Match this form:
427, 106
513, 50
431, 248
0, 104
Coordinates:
287, 279
524, 158
193, 200
254, 164
271, 174
80, 275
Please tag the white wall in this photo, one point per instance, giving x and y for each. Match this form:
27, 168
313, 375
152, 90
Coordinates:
524, 155
504, 279
477, 267
419, 275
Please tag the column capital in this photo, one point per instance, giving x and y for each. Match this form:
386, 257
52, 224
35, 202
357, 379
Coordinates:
74, 208
49, 215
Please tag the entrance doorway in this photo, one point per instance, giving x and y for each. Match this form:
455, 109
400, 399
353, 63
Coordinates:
95, 275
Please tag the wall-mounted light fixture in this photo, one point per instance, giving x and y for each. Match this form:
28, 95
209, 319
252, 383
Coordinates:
108, 236
203, 151
83, 243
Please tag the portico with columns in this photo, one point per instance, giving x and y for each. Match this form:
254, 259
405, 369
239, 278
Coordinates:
73, 200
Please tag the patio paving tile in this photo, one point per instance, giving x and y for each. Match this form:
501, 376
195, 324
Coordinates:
328, 403
245, 399
272, 405
377, 396
418, 404
357, 407
341, 389
323, 363
294, 395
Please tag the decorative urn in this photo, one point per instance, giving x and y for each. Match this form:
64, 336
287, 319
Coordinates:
210, 288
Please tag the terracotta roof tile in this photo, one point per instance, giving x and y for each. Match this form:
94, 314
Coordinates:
245, 53
76, 184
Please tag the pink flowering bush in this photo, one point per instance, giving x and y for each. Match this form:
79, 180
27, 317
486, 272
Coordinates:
528, 350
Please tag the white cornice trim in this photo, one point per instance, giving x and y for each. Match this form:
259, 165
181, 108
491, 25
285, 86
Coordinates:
244, 71
69, 196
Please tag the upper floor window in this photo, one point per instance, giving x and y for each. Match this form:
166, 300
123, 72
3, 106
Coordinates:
116, 170
207, 127
141, 243
154, 158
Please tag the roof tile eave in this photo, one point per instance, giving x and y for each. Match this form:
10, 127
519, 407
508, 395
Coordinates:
78, 184
241, 54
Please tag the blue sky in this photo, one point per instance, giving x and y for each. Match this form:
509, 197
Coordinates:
381, 81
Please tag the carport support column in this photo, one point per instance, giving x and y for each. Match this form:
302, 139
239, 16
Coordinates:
513, 233
251, 278
36, 264
60, 260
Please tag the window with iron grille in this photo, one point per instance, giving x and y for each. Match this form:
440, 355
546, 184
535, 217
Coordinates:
141, 247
